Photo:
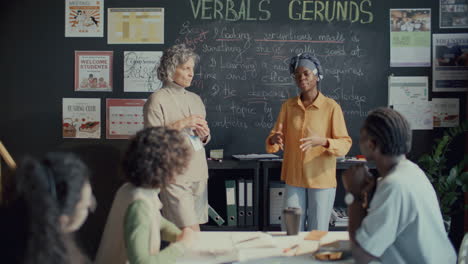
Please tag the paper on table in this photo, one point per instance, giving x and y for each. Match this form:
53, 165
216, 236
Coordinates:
239, 246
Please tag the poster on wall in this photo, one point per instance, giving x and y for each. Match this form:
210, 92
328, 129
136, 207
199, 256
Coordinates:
84, 18
124, 117
453, 13
140, 71
410, 37
419, 115
408, 90
93, 71
446, 112
135, 25
81, 118
450, 62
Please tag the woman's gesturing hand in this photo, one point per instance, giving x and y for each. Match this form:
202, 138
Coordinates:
278, 137
312, 140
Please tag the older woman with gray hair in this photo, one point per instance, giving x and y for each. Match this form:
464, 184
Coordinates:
311, 130
185, 200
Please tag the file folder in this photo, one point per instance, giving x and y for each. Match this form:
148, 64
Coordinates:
231, 207
276, 202
249, 203
215, 216
240, 202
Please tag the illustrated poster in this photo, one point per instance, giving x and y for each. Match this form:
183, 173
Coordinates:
93, 71
135, 26
140, 71
124, 117
84, 18
81, 118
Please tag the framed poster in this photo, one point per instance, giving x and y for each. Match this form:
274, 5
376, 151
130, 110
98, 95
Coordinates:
81, 118
124, 117
84, 18
140, 71
93, 71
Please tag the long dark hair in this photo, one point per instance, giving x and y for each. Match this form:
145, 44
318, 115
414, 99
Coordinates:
30, 228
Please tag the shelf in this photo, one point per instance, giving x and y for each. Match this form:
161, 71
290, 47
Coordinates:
227, 228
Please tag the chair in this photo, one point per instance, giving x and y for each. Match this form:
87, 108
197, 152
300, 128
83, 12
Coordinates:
463, 252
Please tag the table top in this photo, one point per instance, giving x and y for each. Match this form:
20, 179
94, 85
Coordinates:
254, 247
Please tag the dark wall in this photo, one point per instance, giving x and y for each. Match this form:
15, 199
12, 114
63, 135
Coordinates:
242, 82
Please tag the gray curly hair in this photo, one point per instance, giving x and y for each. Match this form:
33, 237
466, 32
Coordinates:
173, 57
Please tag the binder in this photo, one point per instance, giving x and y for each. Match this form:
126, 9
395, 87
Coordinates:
215, 216
249, 203
231, 207
276, 202
240, 202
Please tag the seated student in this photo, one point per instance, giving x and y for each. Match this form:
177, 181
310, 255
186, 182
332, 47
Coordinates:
403, 223
135, 227
52, 199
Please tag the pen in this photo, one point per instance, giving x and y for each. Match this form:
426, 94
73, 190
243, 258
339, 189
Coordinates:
248, 239
286, 250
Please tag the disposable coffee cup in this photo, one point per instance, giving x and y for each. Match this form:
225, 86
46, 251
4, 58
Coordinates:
292, 220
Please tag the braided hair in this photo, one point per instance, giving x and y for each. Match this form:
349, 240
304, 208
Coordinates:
390, 130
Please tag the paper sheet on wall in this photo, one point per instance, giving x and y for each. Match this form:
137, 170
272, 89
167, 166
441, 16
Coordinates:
418, 115
450, 62
81, 118
446, 112
408, 90
124, 117
135, 26
140, 71
84, 18
410, 37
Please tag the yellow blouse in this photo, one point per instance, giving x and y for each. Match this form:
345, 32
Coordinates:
316, 167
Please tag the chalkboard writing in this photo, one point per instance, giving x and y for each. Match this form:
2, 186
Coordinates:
245, 47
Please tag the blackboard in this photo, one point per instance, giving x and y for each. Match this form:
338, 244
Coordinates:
243, 75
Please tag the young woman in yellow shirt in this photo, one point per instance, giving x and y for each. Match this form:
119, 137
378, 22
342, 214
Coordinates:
311, 131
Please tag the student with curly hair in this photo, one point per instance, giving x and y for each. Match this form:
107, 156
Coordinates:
311, 130
53, 196
186, 199
135, 227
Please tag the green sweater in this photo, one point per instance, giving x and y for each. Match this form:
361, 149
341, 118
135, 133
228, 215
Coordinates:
137, 234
